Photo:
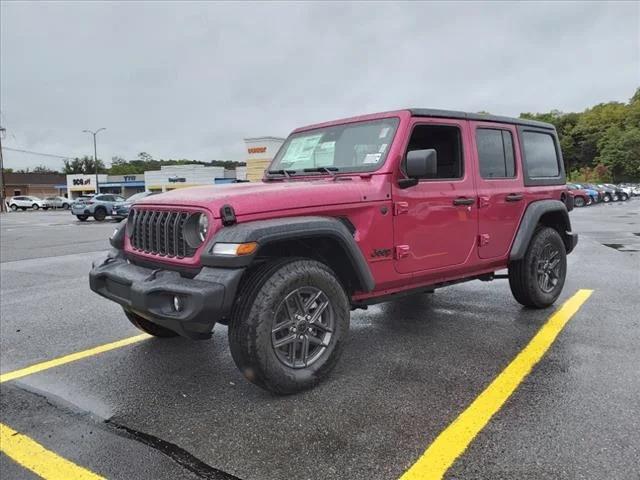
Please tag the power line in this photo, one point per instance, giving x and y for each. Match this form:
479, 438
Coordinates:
37, 153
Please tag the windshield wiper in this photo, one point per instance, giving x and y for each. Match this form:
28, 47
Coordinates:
286, 173
330, 170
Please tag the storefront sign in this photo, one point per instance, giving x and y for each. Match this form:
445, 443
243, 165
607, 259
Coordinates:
257, 149
177, 179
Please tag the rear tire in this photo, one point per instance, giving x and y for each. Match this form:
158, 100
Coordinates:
65, 206
624, 197
100, 214
289, 325
149, 327
607, 198
537, 279
82, 218
35, 206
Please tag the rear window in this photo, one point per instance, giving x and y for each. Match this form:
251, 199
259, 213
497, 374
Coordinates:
540, 154
495, 153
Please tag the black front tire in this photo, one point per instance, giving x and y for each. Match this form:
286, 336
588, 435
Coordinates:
14, 207
536, 280
255, 324
624, 197
149, 327
35, 206
578, 202
65, 206
100, 214
607, 198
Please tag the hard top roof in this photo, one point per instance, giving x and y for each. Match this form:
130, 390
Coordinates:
431, 112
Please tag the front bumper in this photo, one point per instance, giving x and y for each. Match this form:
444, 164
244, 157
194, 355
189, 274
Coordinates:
205, 298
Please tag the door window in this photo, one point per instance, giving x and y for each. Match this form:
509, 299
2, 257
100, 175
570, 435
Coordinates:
445, 140
540, 154
495, 153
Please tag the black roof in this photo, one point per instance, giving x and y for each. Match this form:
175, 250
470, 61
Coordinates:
430, 112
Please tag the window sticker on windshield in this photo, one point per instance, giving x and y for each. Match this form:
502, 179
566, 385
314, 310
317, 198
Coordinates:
383, 132
372, 158
300, 149
383, 148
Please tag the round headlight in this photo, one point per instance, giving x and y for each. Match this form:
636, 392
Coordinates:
203, 226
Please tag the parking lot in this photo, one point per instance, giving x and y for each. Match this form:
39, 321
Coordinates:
154, 408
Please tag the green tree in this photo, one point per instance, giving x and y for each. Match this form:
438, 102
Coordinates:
84, 165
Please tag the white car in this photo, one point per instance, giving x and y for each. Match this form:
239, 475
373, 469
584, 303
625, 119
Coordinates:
24, 202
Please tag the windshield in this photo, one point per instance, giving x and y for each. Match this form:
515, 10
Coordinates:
353, 147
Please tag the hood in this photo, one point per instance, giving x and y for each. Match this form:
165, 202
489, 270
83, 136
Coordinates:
253, 198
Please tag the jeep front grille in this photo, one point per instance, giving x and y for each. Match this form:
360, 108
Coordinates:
160, 232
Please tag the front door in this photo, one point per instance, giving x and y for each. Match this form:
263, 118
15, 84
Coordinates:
435, 221
500, 186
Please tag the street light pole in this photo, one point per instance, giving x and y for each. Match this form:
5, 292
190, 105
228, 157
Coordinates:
95, 152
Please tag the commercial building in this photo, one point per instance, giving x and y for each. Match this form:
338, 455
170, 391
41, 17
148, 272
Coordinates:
170, 177
261, 151
34, 184
85, 184
167, 178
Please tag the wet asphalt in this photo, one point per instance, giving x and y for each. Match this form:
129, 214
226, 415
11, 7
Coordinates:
180, 409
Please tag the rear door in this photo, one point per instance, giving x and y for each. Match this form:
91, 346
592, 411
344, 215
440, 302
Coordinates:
500, 186
435, 221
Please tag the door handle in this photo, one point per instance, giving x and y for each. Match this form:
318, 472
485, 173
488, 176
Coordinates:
464, 201
514, 197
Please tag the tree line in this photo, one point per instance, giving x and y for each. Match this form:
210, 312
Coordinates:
600, 144
120, 166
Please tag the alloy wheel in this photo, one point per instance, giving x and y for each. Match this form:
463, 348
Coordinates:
302, 328
548, 270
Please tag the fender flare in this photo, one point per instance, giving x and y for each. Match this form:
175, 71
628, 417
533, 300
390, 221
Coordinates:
266, 232
531, 219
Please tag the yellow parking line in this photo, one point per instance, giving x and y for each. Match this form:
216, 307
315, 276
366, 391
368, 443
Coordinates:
455, 439
33, 456
56, 362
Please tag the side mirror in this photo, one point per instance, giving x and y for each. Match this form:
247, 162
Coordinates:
420, 164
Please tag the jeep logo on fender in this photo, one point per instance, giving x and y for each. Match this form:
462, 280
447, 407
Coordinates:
380, 252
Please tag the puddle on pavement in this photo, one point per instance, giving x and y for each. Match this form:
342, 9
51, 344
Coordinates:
620, 247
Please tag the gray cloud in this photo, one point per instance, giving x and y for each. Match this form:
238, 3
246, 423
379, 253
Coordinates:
190, 80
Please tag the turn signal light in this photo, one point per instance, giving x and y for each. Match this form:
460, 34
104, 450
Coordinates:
235, 249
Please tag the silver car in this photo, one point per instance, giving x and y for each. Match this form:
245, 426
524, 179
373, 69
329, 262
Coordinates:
99, 206
58, 202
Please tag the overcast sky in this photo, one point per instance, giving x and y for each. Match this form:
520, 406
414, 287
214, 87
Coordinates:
191, 80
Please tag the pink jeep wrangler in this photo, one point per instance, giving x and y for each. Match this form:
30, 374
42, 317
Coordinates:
349, 213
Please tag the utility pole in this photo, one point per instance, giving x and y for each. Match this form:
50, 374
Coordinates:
2, 205
95, 152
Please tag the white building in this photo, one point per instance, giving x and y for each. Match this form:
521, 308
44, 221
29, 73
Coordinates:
261, 151
170, 177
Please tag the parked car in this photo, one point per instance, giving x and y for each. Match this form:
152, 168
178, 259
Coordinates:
609, 195
98, 206
24, 202
621, 192
121, 209
596, 196
58, 202
581, 197
349, 213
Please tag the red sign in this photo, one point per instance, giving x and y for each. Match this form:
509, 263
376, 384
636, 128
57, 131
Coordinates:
257, 149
